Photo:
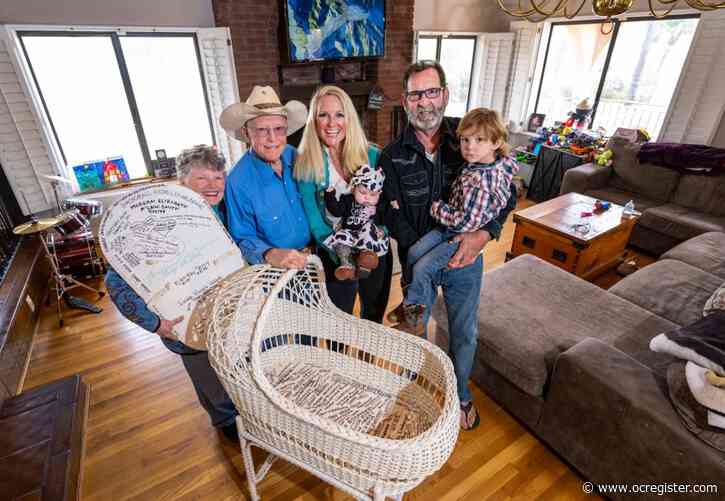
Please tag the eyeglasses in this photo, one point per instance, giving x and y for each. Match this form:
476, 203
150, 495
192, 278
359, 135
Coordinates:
416, 95
268, 131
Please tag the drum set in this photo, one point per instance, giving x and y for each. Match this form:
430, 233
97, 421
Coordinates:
70, 247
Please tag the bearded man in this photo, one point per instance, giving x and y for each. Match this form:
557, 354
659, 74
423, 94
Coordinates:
420, 167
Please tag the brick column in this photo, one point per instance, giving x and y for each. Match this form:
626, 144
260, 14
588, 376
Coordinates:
254, 26
389, 70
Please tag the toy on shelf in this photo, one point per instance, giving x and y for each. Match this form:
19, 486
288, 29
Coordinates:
524, 156
636, 136
579, 118
604, 159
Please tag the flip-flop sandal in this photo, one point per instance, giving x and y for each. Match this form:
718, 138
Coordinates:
468, 411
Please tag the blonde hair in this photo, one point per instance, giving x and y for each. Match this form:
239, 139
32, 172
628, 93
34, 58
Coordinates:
488, 124
309, 163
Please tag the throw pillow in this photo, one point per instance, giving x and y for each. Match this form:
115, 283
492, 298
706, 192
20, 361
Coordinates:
702, 342
716, 301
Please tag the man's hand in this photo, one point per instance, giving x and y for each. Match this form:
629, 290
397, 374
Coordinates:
166, 328
286, 258
471, 245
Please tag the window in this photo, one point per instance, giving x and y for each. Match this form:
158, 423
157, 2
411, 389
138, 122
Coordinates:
455, 55
108, 95
629, 75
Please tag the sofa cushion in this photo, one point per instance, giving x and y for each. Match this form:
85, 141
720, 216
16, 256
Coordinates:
611, 418
531, 311
670, 289
621, 197
680, 222
701, 193
650, 181
706, 251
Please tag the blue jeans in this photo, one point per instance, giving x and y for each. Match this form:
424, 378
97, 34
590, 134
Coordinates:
426, 258
461, 293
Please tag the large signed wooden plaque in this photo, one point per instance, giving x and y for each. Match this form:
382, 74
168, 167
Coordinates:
167, 243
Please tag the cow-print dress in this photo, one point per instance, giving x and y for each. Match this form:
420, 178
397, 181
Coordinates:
357, 228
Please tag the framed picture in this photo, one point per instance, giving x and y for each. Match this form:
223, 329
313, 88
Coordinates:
161, 154
98, 174
300, 75
348, 72
536, 120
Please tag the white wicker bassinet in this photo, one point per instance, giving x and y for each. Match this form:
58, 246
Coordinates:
370, 409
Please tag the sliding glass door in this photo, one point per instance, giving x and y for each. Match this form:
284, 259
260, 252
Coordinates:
628, 73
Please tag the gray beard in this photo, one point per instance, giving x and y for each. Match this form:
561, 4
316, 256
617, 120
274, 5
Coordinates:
430, 124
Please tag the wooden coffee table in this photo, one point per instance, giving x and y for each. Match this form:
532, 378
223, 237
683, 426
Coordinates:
549, 230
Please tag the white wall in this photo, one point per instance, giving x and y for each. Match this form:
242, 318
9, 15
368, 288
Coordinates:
196, 13
478, 16
696, 111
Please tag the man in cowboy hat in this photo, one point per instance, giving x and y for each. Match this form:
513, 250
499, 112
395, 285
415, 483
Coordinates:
266, 217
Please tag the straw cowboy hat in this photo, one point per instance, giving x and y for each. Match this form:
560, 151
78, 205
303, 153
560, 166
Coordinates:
263, 101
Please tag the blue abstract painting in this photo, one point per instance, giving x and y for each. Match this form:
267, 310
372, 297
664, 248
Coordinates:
329, 29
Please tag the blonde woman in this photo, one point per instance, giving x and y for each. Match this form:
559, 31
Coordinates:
333, 147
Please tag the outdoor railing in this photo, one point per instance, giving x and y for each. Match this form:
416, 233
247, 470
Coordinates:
612, 114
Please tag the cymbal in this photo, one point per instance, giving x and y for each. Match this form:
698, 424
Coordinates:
37, 226
57, 178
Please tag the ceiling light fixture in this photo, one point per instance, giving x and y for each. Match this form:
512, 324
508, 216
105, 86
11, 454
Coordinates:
539, 10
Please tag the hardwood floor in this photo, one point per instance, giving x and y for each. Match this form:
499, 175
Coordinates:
149, 439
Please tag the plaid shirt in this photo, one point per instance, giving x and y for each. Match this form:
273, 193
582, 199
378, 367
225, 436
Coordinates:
479, 193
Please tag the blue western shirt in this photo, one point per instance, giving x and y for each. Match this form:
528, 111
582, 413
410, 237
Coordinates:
265, 210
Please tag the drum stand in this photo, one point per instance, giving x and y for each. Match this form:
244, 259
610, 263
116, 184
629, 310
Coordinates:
63, 282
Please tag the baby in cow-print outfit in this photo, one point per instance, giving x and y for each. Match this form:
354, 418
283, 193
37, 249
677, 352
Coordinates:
358, 232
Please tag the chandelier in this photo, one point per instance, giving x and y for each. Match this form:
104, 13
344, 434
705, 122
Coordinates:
538, 10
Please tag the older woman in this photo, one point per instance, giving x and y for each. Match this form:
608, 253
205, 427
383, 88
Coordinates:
202, 169
333, 147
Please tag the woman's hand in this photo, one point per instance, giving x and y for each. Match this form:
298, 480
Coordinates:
166, 328
286, 258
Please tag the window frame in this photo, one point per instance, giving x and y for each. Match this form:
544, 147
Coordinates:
114, 36
439, 42
616, 24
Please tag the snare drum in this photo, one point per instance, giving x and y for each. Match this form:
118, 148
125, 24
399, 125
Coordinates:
72, 221
86, 207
